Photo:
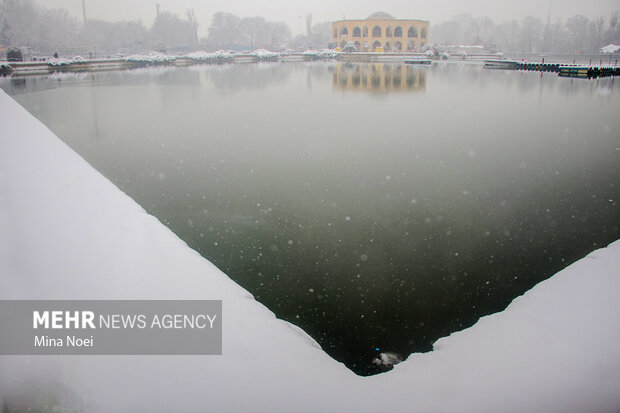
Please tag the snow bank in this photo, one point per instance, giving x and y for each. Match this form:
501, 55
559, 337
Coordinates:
311, 52
328, 53
74, 235
61, 61
150, 57
220, 54
264, 54
554, 349
67, 233
323, 54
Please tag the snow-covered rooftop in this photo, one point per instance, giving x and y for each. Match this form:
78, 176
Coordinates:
610, 48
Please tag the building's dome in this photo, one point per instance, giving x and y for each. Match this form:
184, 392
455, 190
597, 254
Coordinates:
380, 15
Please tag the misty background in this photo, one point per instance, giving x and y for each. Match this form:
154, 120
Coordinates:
107, 27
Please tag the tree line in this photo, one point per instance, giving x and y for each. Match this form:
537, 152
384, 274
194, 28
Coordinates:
45, 31
228, 31
25, 24
578, 34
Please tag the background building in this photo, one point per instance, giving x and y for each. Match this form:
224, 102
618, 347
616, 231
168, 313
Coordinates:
378, 78
381, 32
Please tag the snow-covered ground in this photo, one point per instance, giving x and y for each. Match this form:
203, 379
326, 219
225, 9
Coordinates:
325, 53
66, 232
264, 54
150, 57
63, 62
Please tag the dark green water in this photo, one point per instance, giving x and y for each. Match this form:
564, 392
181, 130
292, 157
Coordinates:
375, 206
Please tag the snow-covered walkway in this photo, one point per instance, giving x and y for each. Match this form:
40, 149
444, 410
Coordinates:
66, 232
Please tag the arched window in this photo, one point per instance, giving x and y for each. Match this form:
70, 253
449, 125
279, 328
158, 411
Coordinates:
365, 31
388, 32
376, 31
411, 46
376, 44
398, 46
357, 32
423, 32
344, 32
388, 46
412, 32
358, 45
398, 32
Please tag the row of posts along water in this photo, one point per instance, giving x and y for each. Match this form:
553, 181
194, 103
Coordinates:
564, 70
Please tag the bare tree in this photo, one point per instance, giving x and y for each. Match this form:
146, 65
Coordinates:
449, 32
255, 31
320, 35
59, 29
110, 38
596, 33
170, 30
20, 23
612, 33
507, 35
191, 16
531, 34
279, 33
558, 35
224, 32
577, 33
486, 28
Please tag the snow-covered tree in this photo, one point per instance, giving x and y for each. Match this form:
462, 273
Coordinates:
224, 32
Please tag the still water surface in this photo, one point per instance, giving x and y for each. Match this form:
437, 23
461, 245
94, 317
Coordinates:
377, 206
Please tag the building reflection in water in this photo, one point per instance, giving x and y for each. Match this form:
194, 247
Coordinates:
378, 77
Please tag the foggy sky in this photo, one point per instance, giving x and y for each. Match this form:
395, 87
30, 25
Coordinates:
294, 12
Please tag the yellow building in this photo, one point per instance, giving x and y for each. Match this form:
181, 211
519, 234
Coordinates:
381, 32
378, 77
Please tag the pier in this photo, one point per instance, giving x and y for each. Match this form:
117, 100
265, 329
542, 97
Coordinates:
93, 65
589, 72
562, 70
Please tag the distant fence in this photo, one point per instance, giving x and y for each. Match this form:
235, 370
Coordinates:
597, 59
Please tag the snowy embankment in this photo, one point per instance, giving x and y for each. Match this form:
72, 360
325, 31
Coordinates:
66, 232
209, 57
65, 62
323, 54
151, 58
